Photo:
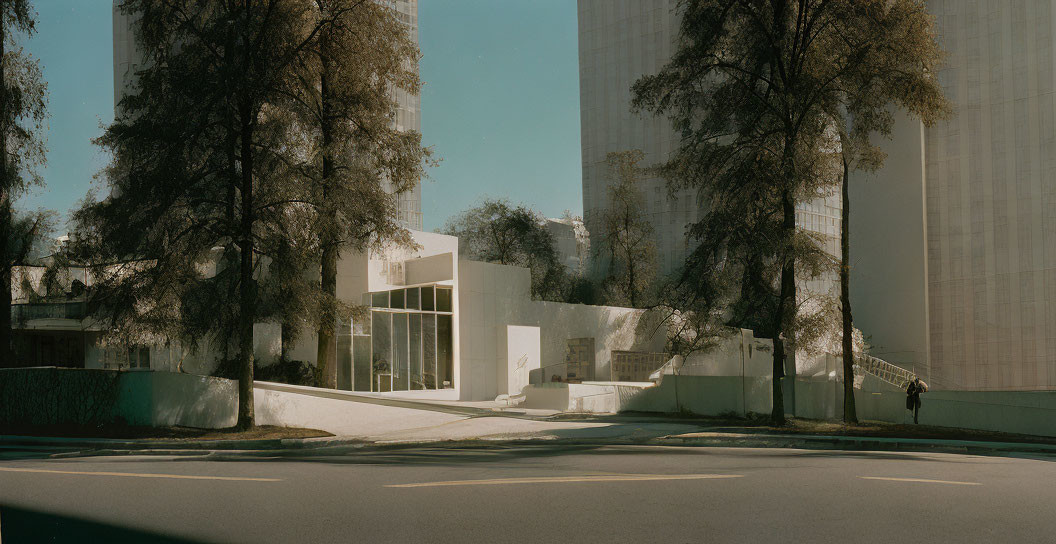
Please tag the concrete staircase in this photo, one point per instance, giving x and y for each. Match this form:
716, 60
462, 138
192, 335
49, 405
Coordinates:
881, 369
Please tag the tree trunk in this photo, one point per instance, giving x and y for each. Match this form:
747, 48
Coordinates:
326, 353
6, 268
6, 359
327, 348
247, 288
286, 344
850, 414
786, 308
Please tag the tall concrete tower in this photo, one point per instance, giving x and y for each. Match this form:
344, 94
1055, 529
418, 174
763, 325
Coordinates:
408, 116
127, 58
955, 245
619, 42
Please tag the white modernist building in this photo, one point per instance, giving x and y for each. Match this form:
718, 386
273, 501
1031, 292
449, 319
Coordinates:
430, 325
960, 283
442, 327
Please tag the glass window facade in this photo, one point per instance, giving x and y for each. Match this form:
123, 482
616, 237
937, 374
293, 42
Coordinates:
404, 342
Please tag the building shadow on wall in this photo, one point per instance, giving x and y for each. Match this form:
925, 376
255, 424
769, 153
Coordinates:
611, 329
19, 525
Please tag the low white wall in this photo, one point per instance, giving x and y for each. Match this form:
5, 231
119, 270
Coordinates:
704, 395
50, 396
193, 401
1011, 412
167, 399
587, 397
1032, 412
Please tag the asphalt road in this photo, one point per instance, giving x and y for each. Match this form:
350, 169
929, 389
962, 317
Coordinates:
533, 494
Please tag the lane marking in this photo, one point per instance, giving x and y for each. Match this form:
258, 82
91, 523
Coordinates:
919, 480
140, 475
573, 479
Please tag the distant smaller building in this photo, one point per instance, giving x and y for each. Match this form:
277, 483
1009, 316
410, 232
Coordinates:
570, 242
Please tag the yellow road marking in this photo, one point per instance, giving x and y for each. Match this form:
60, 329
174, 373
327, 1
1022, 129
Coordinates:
570, 479
141, 475
922, 480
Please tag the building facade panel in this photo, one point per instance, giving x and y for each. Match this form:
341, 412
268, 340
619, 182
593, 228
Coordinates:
990, 186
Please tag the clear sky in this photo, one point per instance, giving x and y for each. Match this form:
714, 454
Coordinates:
500, 105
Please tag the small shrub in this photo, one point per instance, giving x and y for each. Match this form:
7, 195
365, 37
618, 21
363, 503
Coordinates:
288, 372
730, 414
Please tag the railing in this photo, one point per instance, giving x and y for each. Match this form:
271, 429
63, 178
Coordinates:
892, 374
48, 310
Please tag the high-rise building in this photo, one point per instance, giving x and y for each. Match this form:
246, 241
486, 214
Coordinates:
619, 42
127, 60
409, 117
954, 241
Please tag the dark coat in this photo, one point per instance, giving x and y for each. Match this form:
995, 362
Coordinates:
913, 395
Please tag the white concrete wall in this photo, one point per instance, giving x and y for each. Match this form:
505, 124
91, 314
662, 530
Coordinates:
522, 356
494, 296
889, 291
490, 297
611, 327
192, 401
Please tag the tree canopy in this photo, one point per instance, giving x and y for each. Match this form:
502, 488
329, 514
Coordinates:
498, 232
218, 193
625, 236
751, 90
23, 114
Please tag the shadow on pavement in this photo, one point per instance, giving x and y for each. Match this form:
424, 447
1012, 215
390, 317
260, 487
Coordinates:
478, 454
876, 455
19, 525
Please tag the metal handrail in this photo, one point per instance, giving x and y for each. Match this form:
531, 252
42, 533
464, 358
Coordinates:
892, 374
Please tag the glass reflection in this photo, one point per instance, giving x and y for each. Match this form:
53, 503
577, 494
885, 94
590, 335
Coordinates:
400, 349
400, 356
429, 350
443, 299
417, 381
381, 351
444, 354
427, 299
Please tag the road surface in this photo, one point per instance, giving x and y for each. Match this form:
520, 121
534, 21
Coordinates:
533, 494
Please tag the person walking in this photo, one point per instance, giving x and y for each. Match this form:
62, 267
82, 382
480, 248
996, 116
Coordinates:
916, 387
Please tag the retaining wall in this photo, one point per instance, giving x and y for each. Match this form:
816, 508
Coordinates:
92, 397
1032, 412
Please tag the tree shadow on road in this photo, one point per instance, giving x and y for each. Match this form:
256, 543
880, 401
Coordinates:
496, 454
25, 525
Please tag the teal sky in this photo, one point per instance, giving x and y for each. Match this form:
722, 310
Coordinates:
500, 104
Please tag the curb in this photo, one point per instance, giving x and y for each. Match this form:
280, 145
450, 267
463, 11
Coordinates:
857, 443
208, 445
337, 445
